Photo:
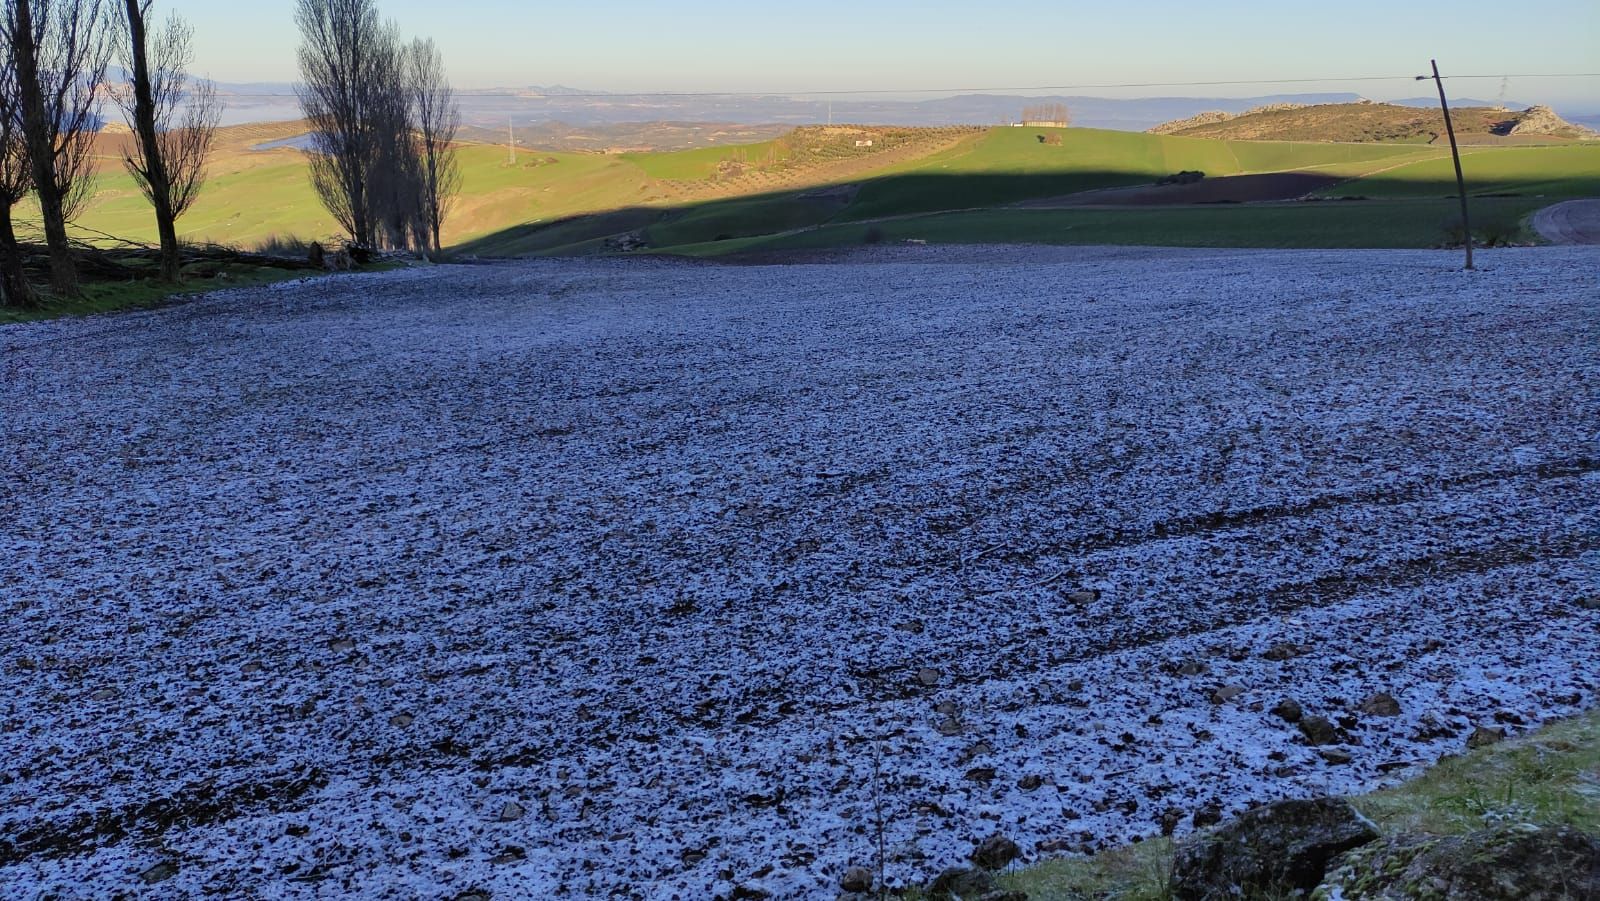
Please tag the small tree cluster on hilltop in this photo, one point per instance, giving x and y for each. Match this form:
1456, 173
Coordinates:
383, 125
54, 55
1046, 115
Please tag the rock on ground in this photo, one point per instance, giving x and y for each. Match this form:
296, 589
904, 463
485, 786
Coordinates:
1278, 848
1507, 863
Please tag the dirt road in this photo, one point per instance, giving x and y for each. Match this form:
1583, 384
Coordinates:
1573, 222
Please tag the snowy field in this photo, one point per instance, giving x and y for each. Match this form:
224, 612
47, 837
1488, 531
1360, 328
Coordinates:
657, 580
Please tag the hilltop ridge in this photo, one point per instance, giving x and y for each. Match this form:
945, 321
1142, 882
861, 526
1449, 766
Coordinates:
1371, 122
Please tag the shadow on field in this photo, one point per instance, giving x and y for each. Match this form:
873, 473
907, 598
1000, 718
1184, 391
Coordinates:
1285, 209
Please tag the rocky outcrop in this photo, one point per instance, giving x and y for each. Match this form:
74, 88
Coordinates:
1275, 108
1276, 849
961, 884
1208, 118
996, 852
1215, 116
1508, 863
1542, 120
1375, 122
1327, 849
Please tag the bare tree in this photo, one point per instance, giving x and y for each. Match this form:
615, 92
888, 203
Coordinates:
1047, 115
344, 55
383, 125
438, 120
396, 194
174, 119
61, 49
16, 180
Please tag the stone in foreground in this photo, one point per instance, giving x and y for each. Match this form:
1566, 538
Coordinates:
1275, 849
1507, 863
996, 852
960, 882
856, 879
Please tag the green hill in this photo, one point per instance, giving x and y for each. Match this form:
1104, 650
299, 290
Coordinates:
1369, 122
839, 183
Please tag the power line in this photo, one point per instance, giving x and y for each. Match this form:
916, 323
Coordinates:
970, 90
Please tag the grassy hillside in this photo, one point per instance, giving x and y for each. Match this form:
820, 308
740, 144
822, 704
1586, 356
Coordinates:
1547, 777
811, 185
1377, 224
1006, 165
1378, 123
979, 170
1564, 171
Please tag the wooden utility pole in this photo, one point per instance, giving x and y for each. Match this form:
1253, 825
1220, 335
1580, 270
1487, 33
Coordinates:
1455, 154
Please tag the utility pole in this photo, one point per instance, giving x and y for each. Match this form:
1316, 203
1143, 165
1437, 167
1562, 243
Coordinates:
1455, 154
511, 142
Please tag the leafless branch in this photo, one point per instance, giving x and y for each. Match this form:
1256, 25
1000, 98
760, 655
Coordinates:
61, 49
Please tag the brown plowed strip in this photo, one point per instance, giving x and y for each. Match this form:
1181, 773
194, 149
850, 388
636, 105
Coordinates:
1228, 189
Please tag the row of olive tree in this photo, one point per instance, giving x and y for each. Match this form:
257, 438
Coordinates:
383, 123
54, 55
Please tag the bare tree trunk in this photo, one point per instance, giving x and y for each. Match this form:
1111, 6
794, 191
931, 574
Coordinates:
155, 167
347, 64
437, 121
173, 119
60, 52
14, 288
36, 129
16, 175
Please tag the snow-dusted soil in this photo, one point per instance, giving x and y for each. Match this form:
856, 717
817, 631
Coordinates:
619, 579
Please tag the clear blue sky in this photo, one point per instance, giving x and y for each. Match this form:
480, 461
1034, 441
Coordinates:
655, 45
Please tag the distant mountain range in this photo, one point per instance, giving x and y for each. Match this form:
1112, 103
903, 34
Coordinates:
259, 102
1431, 102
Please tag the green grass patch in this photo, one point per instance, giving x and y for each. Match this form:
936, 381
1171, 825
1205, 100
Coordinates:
240, 205
705, 162
145, 293
1557, 172
503, 208
1331, 224
1134, 873
538, 239
253, 195
1550, 777
1006, 165
743, 218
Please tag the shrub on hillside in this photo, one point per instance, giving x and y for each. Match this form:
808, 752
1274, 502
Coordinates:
1493, 233
1498, 233
288, 247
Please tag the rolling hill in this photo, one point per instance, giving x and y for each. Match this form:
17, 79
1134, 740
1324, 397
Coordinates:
1367, 122
853, 183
